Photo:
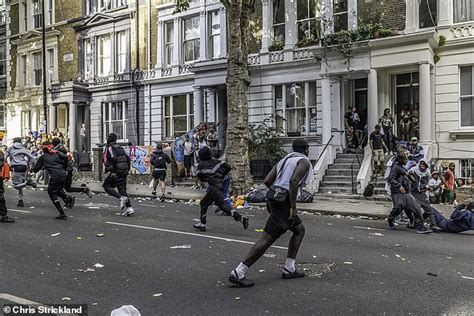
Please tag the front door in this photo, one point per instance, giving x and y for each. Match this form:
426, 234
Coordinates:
407, 106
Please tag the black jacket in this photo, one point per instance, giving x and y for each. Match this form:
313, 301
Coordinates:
213, 172
159, 159
54, 162
398, 178
116, 160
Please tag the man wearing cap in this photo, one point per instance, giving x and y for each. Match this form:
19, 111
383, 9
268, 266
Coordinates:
284, 180
434, 188
377, 145
117, 164
416, 153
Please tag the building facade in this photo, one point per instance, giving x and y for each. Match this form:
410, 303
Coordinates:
3, 63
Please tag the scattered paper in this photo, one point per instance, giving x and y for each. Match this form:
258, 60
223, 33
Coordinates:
98, 265
261, 271
377, 234
66, 298
269, 255
32, 207
100, 235
157, 295
237, 298
181, 247
55, 234
79, 238
347, 262
466, 277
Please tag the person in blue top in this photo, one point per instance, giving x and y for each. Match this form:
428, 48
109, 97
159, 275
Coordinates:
462, 219
416, 153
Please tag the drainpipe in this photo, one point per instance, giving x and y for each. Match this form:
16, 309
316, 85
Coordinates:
43, 51
149, 66
137, 67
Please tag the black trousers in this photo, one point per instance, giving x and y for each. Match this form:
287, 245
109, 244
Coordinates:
119, 181
408, 203
68, 183
56, 189
215, 196
422, 198
3, 203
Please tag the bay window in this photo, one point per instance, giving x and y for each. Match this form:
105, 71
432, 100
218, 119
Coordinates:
296, 108
115, 119
169, 42
178, 115
340, 15
215, 34
37, 68
122, 51
103, 55
191, 42
463, 11
467, 96
279, 21
309, 20
428, 13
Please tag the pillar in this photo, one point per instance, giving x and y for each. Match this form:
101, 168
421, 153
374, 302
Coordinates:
267, 25
223, 22
372, 108
160, 45
203, 30
425, 103
352, 15
290, 24
72, 131
326, 108
211, 105
445, 12
176, 40
52, 118
326, 25
198, 108
411, 19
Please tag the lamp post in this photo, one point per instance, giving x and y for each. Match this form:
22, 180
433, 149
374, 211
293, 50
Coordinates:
43, 54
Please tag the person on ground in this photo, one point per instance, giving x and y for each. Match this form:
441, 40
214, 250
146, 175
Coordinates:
419, 177
462, 219
386, 120
434, 188
55, 162
377, 145
20, 159
284, 180
401, 198
159, 161
4, 175
57, 145
213, 171
117, 164
416, 153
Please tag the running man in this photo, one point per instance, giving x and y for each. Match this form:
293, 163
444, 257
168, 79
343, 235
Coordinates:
290, 173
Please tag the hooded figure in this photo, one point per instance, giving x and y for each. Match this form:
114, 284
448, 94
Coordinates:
159, 161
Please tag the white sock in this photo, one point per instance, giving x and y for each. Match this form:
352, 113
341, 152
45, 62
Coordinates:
290, 264
241, 270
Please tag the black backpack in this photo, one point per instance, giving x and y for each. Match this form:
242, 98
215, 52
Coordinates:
159, 160
369, 190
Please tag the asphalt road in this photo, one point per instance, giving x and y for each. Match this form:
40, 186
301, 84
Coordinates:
365, 271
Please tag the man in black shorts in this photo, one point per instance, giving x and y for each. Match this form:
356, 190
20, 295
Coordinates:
291, 173
159, 160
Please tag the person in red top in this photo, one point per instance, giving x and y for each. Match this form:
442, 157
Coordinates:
448, 182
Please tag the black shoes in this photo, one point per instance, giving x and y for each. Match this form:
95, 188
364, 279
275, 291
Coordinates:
424, 230
391, 224
70, 202
244, 282
245, 222
20, 203
6, 219
200, 227
61, 217
287, 274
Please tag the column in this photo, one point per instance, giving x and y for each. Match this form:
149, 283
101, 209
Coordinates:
352, 15
72, 127
425, 103
372, 108
223, 22
203, 30
198, 108
52, 118
267, 25
326, 108
159, 46
211, 105
177, 45
306, 102
113, 66
411, 20
290, 24
382, 92
327, 26
445, 12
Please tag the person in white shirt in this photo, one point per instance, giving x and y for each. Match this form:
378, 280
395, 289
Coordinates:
435, 188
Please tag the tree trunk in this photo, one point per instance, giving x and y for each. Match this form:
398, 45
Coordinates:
238, 81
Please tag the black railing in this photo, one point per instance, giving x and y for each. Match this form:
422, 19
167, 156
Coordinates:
356, 160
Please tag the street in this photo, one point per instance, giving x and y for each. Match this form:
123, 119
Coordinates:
357, 270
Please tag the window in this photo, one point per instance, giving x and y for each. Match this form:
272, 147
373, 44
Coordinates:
178, 115
169, 43
215, 40
340, 13
103, 55
51, 65
279, 21
24, 67
104, 5
467, 170
37, 17
191, 42
296, 108
50, 12
467, 96
3, 11
2, 116
122, 51
25, 122
428, 13
88, 59
463, 11
37, 68
3, 59
25, 16
309, 20
115, 119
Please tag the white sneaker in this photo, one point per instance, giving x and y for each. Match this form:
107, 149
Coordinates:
123, 201
129, 211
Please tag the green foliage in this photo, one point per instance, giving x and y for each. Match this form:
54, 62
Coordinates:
181, 6
442, 41
276, 45
265, 141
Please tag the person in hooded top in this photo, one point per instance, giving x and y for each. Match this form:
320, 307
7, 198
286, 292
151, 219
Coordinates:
55, 162
159, 160
462, 219
213, 171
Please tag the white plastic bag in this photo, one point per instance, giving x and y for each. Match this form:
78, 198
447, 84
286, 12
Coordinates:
125, 310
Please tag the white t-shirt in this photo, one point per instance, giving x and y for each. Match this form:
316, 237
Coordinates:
188, 148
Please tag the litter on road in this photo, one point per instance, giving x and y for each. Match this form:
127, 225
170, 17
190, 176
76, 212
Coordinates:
100, 235
269, 255
157, 294
181, 247
466, 277
55, 234
347, 262
98, 265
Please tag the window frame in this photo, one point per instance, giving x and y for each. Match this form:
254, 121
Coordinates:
88, 59
454, 17
169, 43
193, 40
341, 13
50, 54
213, 36
24, 68
309, 19
37, 14
107, 121
3, 113
100, 55
37, 70
189, 99
436, 17
121, 52
278, 24
3, 12
3, 58
461, 97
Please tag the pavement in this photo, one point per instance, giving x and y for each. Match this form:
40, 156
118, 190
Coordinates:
356, 266
323, 204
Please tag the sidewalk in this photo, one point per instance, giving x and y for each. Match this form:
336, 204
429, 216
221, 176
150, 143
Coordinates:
321, 205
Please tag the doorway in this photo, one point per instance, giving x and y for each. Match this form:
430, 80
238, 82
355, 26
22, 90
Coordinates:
407, 99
